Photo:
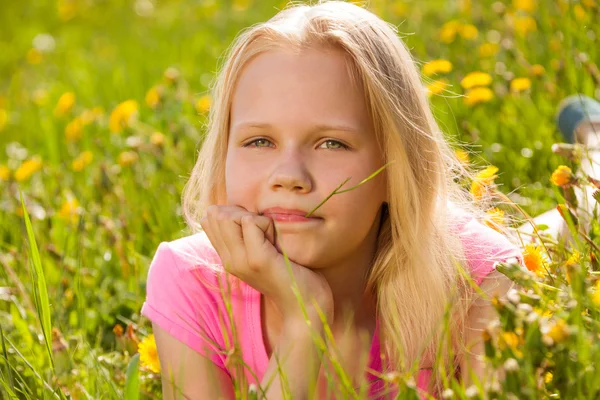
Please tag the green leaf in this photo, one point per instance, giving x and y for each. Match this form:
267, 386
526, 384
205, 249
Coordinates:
40, 290
132, 379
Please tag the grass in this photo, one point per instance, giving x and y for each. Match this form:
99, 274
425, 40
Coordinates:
95, 204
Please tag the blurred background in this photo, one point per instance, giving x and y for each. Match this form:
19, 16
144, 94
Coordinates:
102, 109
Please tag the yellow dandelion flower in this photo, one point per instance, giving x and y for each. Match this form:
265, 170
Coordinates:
240, 5
74, 130
596, 295
157, 139
203, 104
149, 354
127, 158
399, 9
580, 13
462, 155
494, 218
478, 95
524, 25
87, 156
511, 339
77, 165
534, 260
537, 70
34, 56
65, 104
525, 5
520, 84
468, 32
3, 118
69, 211
28, 168
122, 116
83, 160
573, 260
437, 87
437, 67
67, 9
4, 173
449, 31
559, 331
487, 50
476, 78
548, 377
153, 97
482, 181
562, 176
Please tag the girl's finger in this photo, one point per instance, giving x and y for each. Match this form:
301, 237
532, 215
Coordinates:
259, 250
232, 236
266, 225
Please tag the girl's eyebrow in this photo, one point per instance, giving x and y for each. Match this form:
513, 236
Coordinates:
313, 128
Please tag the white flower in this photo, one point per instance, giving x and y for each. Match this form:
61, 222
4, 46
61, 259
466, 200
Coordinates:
547, 340
524, 308
511, 365
513, 296
472, 391
44, 42
447, 394
531, 317
493, 386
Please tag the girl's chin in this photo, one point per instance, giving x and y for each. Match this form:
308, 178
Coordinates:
295, 254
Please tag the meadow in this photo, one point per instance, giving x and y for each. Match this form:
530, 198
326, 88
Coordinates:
102, 110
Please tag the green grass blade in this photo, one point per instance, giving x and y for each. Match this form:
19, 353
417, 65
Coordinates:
42, 303
11, 382
132, 379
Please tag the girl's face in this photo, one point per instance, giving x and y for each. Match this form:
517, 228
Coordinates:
299, 128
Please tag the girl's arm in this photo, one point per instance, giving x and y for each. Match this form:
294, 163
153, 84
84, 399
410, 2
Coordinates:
481, 313
189, 375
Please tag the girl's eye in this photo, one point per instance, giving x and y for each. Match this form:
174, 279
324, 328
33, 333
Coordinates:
257, 143
262, 142
337, 145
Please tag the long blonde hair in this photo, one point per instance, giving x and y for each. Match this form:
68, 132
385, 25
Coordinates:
415, 274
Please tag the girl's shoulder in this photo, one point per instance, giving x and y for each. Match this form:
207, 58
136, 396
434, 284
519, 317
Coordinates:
190, 295
193, 252
190, 267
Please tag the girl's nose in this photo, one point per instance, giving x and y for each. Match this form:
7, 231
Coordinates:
291, 174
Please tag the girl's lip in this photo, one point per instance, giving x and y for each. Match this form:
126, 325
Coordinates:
289, 217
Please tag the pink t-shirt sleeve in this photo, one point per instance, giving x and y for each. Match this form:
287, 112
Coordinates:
484, 247
182, 298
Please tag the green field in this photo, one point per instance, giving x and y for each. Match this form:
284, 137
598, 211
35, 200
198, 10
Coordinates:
102, 109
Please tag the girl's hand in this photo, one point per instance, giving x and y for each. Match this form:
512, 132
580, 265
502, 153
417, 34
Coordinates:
245, 243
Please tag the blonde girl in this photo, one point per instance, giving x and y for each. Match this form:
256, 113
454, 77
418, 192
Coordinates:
315, 97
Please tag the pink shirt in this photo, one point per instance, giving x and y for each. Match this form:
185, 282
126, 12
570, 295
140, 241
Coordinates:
184, 299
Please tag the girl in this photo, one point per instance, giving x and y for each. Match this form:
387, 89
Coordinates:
317, 95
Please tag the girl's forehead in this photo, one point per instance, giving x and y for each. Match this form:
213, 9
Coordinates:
313, 84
